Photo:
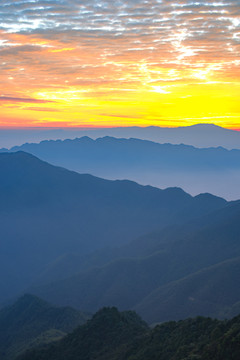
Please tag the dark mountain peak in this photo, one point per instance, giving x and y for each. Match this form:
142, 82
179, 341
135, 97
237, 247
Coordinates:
207, 127
16, 160
31, 320
176, 190
99, 338
25, 308
17, 154
30, 299
209, 197
108, 138
111, 316
20, 158
177, 194
83, 139
50, 143
204, 125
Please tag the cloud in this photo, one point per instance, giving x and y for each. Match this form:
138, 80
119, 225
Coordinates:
23, 100
46, 109
121, 116
87, 49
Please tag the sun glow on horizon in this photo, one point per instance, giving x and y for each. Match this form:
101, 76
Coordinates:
158, 63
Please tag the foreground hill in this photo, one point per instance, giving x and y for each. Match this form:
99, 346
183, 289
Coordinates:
181, 271
111, 335
31, 322
214, 170
98, 338
47, 212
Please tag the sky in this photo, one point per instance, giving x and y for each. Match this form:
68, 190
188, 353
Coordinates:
119, 63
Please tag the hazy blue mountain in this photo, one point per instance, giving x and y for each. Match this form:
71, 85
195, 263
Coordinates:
136, 274
47, 211
111, 335
212, 292
216, 231
31, 322
214, 170
201, 135
85, 154
217, 225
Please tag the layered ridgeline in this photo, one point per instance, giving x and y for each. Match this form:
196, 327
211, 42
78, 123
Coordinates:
183, 270
214, 170
111, 335
47, 212
32, 322
200, 135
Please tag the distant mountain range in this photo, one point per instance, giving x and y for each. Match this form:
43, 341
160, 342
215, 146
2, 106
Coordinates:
76, 240
82, 241
183, 270
201, 135
47, 212
214, 170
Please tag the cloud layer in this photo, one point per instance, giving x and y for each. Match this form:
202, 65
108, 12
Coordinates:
71, 51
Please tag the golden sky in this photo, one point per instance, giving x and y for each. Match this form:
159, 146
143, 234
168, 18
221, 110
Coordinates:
119, 63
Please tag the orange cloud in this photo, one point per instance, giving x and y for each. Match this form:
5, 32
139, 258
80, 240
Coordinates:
146, 62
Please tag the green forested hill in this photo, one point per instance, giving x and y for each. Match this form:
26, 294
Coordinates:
99, 338
111, 335
31, 321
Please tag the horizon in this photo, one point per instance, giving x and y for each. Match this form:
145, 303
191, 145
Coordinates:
51, 127
199, 135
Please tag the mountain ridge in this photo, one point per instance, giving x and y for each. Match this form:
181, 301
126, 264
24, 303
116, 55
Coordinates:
131, 273
71, 212
114, 335
196, 170
31, 320
200, 135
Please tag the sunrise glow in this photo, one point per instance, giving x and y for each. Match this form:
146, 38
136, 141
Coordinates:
120, 63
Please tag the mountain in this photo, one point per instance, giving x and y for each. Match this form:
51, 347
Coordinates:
47, 212
156, 273
111, 335
99, 338
162, 165
32, 322
210, 291
200, 135
85, 154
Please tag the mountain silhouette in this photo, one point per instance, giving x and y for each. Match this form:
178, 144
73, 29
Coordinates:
114, 335
200, 135
156, 273
214, 170
47, 212
31, 322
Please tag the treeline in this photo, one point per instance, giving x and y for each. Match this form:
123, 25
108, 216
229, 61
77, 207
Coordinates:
111, 335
